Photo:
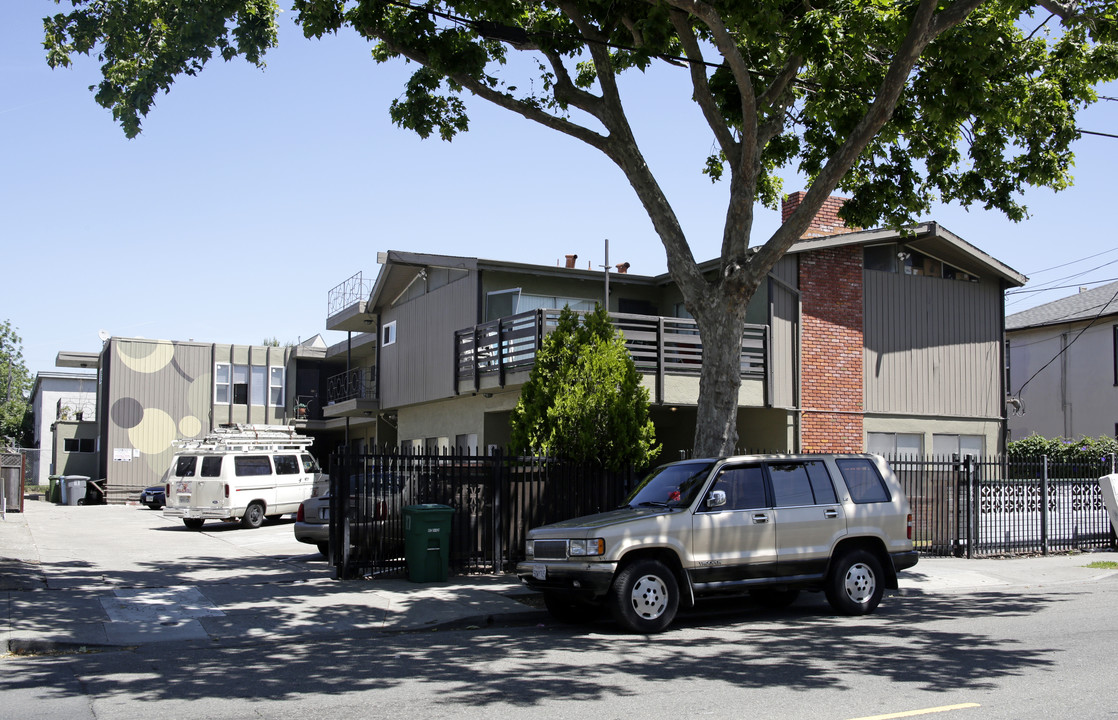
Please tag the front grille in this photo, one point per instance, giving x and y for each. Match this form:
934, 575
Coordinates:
551, 549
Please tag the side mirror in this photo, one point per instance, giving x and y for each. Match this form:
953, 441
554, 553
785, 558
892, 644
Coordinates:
717, 498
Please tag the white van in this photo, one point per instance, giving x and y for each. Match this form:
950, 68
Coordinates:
251, 472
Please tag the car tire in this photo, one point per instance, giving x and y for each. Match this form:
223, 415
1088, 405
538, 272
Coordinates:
193, 523
567, 610
644, 597
855, 583
254, 516
775, 599
324, 549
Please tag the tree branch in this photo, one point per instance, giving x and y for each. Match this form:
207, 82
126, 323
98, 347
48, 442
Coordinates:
702, 95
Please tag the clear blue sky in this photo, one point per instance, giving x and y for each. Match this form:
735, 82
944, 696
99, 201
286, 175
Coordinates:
282, 183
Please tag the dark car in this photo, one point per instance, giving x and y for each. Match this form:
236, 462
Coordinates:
154, 497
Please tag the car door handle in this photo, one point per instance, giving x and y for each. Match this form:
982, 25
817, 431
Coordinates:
830, 513
760, 518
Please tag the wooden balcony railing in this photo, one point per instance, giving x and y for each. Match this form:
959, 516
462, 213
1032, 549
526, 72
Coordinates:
658, 346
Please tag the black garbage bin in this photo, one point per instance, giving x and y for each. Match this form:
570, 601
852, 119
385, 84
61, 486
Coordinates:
427, 542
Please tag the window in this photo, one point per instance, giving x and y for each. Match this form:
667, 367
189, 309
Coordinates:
880, 257
891, 257
744, 487
252, 465
275, 386
388, 334
211, 466
961, 445
895, 443
310, 465
501, 303
79, 445
286, 464
801, 483
240, 384
221, 383
185, 465
863, 481
258, 384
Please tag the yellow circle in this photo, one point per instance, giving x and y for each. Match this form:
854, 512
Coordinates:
154, 433
145, 356
190, 427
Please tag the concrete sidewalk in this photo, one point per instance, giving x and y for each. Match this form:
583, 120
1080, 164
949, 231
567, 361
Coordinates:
124, 575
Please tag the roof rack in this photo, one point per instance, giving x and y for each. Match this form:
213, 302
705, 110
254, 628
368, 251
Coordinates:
239, 437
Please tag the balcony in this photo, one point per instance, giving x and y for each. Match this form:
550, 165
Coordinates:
351, 393
667, 351
347, 306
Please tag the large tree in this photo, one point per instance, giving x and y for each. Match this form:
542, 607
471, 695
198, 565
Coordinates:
898, 104
15, 388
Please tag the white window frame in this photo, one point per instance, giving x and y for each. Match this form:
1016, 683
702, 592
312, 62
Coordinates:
276, 390
227, 386
257, 385
388, 334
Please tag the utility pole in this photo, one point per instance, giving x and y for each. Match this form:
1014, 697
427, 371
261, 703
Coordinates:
606, 269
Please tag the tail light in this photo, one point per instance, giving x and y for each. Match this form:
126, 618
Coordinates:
301, 515
910, 526
227, 491
167, 490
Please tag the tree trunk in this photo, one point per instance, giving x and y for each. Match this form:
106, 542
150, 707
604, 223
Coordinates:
716, 418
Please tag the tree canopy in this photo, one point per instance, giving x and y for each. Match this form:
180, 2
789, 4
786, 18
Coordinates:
15, 388
896, 103
584, 399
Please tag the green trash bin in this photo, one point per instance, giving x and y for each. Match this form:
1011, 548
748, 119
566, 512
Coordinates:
54, 490
427, 542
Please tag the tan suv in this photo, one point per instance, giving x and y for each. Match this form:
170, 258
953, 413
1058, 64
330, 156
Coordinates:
767, 525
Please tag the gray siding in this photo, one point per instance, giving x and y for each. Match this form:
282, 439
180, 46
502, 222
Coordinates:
419, 366
784, 334
932, 346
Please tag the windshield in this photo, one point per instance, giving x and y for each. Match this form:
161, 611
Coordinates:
671, 485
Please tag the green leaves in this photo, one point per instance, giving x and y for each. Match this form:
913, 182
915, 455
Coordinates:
584, 399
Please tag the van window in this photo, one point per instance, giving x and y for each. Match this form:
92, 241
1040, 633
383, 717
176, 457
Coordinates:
252, 465
310, 465
185, 465
211, 466
863, 480
286, 464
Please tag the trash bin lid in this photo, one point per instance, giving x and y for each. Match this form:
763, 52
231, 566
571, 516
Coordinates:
75, 477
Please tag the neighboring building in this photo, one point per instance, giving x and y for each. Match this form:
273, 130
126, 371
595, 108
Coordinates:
58, 396
860, 340
153, 392
1063, 367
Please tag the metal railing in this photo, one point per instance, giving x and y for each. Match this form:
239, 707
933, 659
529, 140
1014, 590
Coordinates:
354, 384
658, 345
346, 294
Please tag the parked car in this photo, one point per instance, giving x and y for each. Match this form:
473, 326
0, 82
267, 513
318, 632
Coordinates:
312, 523
154, 497
765, 525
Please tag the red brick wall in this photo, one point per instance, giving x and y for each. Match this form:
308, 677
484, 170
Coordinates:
832, 392
826, 221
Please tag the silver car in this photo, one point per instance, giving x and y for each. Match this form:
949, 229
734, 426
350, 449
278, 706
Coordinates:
312, 523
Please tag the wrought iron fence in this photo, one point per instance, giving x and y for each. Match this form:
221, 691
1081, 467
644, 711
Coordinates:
975, 506
966, 506
496, 499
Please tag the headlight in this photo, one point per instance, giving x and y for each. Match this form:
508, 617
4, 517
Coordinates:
584, 548
529, 549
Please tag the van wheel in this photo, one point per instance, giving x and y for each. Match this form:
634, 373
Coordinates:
854, 586
644, 597
254, 516
193, 523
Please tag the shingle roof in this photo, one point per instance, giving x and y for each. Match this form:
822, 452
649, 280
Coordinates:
1084, 305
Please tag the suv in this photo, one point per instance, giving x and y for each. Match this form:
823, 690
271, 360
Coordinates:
767, 525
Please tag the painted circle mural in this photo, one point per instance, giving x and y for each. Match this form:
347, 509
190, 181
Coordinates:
127, 412
154, 433
146, 357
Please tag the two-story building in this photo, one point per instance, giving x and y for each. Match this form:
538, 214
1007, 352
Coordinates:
1063, 366
61, 397
860, 340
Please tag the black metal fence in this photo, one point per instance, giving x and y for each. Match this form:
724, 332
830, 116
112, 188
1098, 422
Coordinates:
496, 500
962, 506
974, 506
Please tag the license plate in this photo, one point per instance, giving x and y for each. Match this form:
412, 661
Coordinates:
539, 572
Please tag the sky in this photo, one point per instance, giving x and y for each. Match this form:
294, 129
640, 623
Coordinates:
251, 193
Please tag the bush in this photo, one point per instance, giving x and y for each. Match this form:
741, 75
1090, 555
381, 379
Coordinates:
1086, 457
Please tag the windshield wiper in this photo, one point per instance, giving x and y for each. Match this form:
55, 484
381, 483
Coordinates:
653, 503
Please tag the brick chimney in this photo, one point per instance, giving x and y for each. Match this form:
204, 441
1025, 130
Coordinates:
571, 260
826, 221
